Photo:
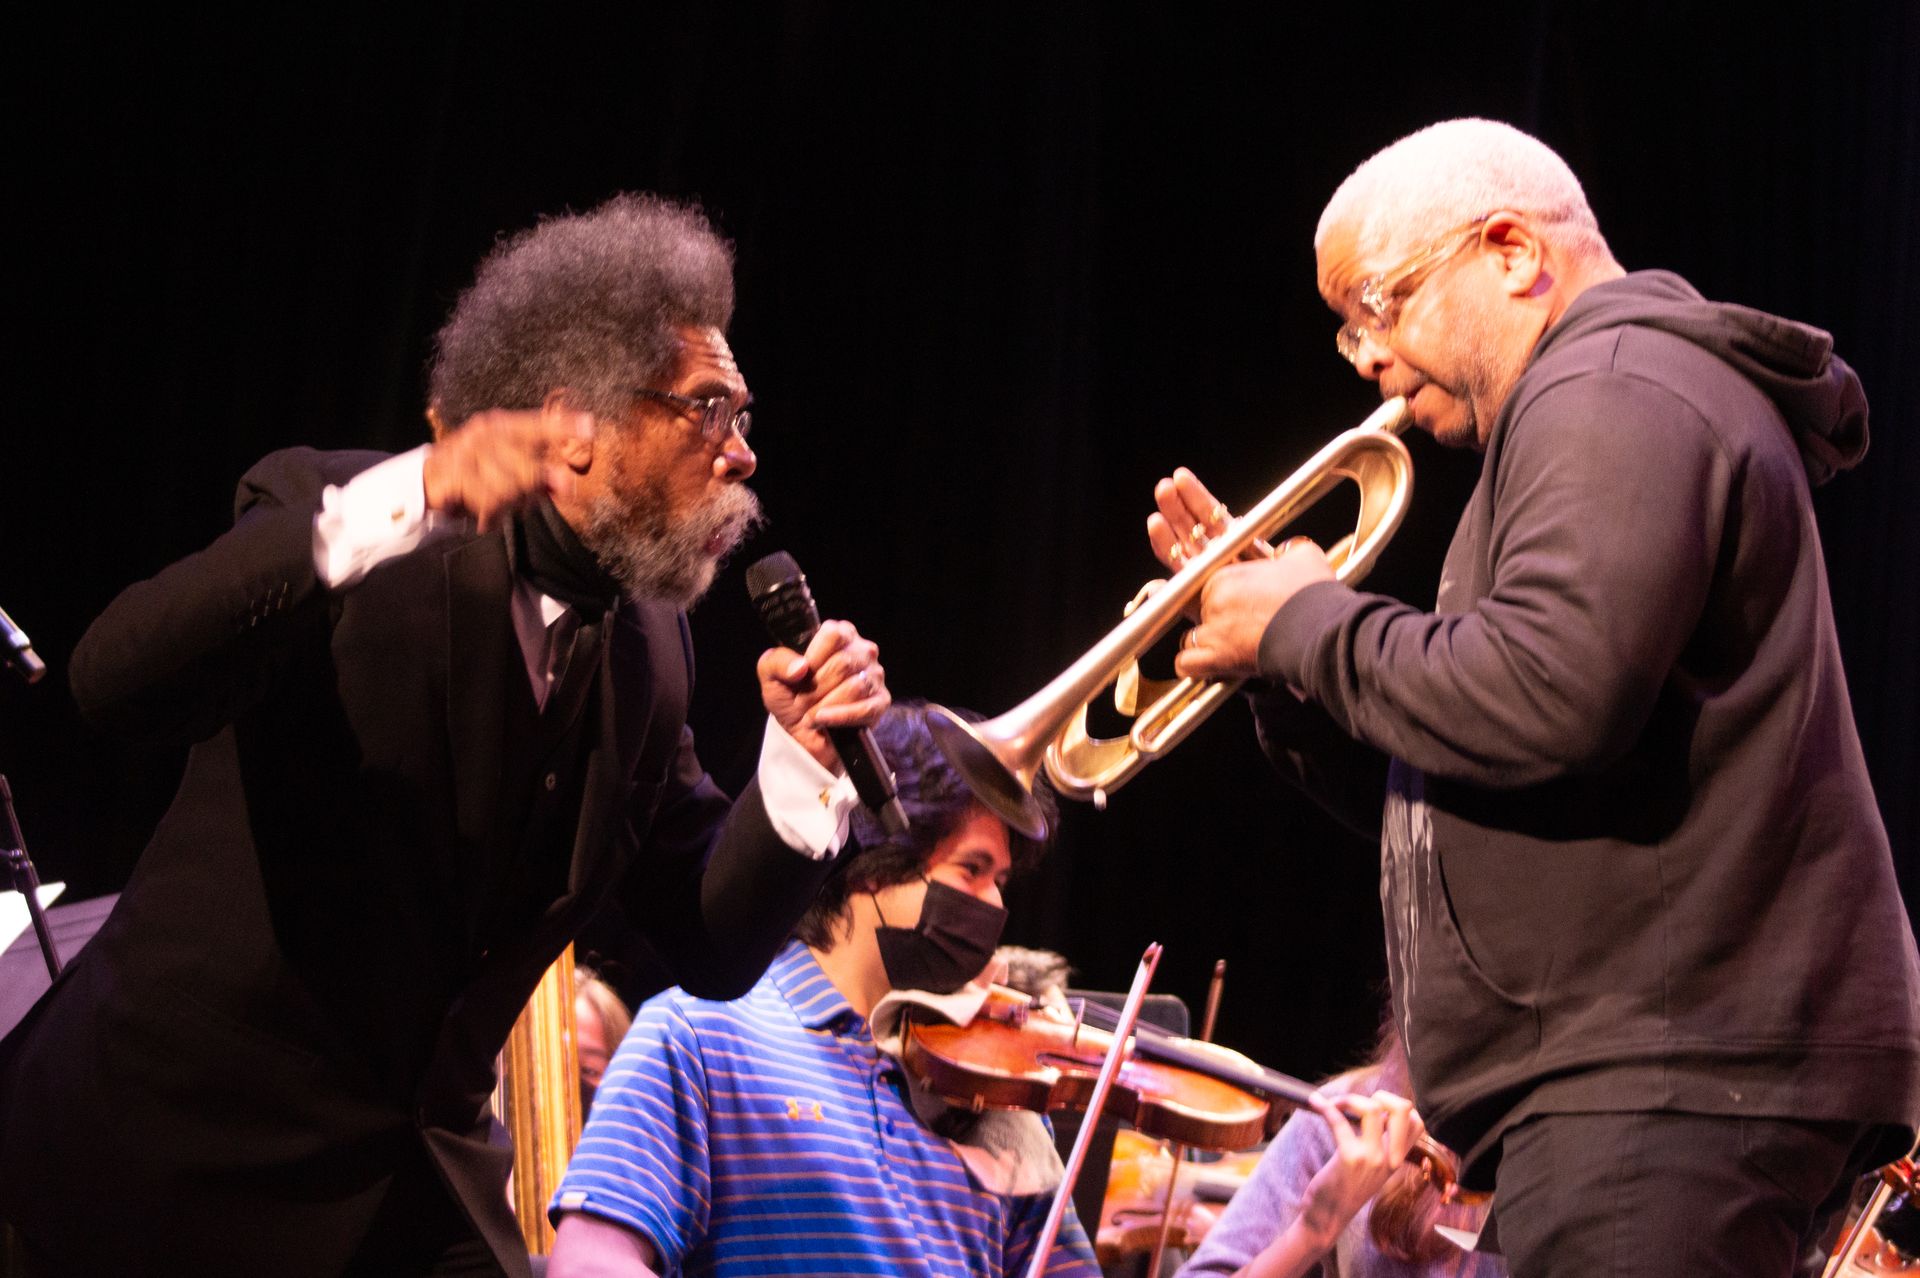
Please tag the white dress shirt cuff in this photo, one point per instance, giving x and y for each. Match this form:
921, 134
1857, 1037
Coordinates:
808, 806
376, 515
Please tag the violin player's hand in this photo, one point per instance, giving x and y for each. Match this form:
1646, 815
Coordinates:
1364, 1156
1371, 1137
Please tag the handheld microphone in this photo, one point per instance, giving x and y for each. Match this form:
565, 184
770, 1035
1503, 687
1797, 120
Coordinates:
779, 590
20, 653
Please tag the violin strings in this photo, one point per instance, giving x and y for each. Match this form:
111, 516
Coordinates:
1283, 1087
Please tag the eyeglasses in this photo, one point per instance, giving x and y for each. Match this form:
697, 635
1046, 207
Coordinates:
1381, 296
716, 414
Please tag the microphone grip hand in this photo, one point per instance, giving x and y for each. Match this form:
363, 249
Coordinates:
827, 694
836, 687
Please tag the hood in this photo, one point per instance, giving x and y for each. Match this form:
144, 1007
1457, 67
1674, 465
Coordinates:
1793, 363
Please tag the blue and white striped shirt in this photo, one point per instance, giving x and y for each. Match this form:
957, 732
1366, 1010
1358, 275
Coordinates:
767, 1136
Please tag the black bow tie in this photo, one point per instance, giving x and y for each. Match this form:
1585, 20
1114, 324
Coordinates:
547, 553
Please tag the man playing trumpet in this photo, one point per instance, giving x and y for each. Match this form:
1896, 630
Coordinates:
1648, 955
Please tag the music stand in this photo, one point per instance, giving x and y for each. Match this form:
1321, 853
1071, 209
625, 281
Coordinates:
23, 970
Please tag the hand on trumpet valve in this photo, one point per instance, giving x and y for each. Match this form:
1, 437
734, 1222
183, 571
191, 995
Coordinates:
1236, 604
1187, 518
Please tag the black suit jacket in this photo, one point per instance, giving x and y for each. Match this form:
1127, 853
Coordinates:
297, 993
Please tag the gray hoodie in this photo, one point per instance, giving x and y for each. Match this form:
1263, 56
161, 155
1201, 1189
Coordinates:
1631, 859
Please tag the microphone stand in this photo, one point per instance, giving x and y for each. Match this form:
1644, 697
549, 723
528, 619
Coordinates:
20, 873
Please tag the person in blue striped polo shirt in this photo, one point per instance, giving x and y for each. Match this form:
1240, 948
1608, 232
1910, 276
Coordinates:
769, 1136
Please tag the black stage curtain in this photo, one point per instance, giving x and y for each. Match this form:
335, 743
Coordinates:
1001, 266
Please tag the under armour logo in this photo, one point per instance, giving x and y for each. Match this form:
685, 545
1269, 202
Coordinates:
795, 1105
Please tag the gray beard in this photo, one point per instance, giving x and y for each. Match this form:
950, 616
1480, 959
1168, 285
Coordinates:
1483, 378
653, 556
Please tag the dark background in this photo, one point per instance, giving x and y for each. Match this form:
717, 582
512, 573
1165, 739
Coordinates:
1001, 266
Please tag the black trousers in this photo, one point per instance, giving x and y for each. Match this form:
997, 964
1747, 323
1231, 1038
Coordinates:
1649, 1195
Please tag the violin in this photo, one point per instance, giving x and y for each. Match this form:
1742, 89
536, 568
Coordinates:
1137, 1198
1008, 1058
1861, 1249
1199, 1094
1878, 1256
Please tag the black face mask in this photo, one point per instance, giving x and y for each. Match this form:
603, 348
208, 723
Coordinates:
948, 947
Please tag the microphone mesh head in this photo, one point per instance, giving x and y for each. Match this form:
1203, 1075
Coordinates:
772, 572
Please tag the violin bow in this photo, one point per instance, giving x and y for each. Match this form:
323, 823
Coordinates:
1215, 987
1116, 1052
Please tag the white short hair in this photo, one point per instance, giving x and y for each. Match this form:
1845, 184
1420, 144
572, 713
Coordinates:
1450, 173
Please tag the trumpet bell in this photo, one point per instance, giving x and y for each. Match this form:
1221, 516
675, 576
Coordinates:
976, 756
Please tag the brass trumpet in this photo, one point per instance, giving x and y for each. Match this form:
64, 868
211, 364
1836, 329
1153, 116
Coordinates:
1001, 757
